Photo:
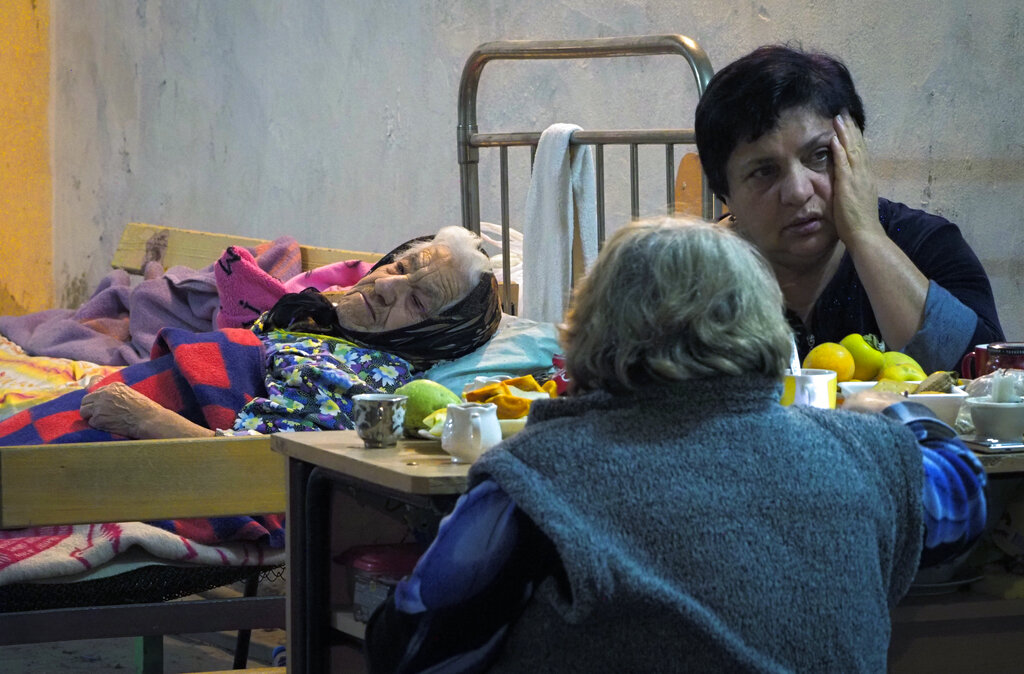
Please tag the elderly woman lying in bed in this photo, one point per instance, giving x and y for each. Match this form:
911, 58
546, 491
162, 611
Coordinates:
430, 299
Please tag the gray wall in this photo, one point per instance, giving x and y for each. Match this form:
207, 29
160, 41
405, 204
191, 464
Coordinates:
335, 121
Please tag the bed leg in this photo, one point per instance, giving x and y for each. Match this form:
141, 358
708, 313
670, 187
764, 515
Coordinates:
241, 660
149, 654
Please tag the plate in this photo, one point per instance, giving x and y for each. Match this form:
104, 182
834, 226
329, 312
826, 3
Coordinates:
920, 589
509, 427
944, 405
990, 446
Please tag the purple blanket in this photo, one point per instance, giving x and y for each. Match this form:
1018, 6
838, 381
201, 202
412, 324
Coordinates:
118, 325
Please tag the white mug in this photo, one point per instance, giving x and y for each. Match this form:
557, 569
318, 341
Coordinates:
470, 429
810, 388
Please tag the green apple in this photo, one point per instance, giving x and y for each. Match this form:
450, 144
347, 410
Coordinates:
425, 397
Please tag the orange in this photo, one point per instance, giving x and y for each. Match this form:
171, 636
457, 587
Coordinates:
831, 356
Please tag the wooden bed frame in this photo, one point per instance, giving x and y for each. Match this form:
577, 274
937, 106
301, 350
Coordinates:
74, 483
143, 480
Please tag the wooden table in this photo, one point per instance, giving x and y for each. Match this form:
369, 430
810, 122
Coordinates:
416, 472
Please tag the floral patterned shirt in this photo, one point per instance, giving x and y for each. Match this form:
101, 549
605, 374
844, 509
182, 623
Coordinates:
311, 379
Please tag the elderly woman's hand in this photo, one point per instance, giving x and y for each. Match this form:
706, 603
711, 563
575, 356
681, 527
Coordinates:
122, 410
854, 193
872, 401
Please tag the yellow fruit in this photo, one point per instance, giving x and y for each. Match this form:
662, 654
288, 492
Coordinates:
867, 360
893, 386
890, 358
901, 372
831, 356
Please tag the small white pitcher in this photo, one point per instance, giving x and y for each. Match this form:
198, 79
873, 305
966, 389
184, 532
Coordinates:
470, 429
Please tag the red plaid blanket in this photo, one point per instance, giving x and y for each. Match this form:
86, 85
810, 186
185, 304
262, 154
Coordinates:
206, 377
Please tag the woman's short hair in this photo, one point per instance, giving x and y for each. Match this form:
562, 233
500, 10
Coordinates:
671, 299
744, 99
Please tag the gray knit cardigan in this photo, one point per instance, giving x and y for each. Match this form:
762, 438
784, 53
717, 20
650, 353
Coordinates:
704, 527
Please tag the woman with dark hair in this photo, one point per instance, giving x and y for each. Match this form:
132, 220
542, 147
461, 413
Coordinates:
433, 298
670, 514
780, 137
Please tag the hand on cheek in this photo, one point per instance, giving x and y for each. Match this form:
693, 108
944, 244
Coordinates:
854, 195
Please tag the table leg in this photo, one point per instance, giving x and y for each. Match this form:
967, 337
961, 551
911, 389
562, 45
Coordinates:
319, 486
296, 622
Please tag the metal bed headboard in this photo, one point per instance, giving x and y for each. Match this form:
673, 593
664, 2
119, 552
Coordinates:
470, 140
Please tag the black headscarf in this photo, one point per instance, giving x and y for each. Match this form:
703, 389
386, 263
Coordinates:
456, 331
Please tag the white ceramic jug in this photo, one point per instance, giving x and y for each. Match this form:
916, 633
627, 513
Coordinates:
470, 429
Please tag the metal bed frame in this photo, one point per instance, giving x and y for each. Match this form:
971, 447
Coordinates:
470, 140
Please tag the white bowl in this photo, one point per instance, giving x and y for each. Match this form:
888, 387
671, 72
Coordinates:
999, 421
944, 405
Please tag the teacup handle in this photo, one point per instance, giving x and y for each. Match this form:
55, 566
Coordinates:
967, 365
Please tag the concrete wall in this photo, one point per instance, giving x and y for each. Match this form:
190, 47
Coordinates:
335, 120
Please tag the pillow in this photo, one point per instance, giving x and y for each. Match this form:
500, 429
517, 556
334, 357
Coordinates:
519, 347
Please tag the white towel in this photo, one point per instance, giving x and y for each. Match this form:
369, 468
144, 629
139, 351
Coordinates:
561, 202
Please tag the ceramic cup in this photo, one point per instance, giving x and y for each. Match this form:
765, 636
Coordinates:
378, 418
987, 358
998, 421
810, 388
470, 429
975, 363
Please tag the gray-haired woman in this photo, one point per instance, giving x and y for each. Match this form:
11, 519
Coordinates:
671, 515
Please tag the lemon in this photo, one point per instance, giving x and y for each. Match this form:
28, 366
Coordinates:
434, 421
867, 360
831, 356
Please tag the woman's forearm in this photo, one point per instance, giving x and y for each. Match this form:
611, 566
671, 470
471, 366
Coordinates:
895, 287
122, 410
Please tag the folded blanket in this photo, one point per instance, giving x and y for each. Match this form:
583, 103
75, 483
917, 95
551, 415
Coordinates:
205, 377
53, 552
119, 323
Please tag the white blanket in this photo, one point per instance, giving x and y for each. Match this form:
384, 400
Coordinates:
51, 552
561, 204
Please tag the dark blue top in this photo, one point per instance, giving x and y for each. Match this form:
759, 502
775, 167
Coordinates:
960, 311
